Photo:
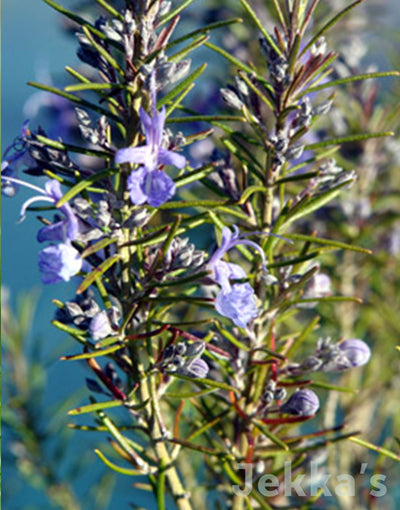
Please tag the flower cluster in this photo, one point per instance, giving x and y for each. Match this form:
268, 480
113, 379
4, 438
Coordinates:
57, 262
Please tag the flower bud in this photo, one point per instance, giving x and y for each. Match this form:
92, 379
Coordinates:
100, 326
295, 151
356, 351
348, 354
301, 403
231, 99
197, 368
323, 108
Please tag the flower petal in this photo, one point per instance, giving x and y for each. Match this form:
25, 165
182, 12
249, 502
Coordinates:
139, 155
225, 271
239, 304
147, 124
135, 185
59, 263
166, 157
53, 189
54, 232
158, 187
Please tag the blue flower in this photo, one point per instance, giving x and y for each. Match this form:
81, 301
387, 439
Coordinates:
196, 368
223, 271
344, 355
355, 351
302, 403
154, 187
237, 301
148, 183
59, 263
66, 229
238, 304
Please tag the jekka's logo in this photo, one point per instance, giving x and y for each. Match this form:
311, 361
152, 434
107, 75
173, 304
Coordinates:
306, 485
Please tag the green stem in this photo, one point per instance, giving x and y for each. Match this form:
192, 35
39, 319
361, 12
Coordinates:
167, 471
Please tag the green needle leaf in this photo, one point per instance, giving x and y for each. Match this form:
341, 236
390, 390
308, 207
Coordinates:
110, 9
206, 118
92, 86
236, 62
346, 139
96, 273
118, 469
206, 382
328, 242
264, 429
174, 12
378, 449
74, 99
195, 175
260, 26
93, 354
350, 79
90, 408
73, 148
202, 30
334, 387
85, 183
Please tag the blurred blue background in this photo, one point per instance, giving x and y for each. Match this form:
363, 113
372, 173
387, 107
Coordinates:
33, 44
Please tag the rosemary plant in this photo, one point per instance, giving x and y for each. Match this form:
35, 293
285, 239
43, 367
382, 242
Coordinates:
197, 277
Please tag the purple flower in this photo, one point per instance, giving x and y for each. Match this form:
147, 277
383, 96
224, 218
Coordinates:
224, 271
347, 354
356, 351
301, 403
148, 183
237, 301
154, 187
152, 154
59, 263
63, 230
238, 304
230, 240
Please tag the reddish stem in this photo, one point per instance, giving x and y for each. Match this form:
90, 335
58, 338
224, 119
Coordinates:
119, 394
140, 336
288, 419
178, 417
236, 406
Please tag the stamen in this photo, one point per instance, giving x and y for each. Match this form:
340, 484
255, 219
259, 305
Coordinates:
23, 183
